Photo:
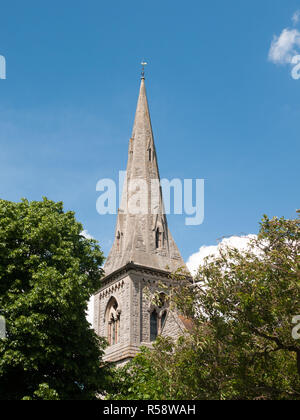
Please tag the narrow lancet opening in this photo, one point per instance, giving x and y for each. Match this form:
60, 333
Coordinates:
158, 238
113, 322
153, 326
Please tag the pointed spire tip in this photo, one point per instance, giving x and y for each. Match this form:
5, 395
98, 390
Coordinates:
143, 64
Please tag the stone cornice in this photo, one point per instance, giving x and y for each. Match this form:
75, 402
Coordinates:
131, 266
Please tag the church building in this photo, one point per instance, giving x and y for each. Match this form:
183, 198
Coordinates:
142, 256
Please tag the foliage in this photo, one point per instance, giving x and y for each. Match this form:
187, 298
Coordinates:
48, 272
137, 380
241, 346
43, 393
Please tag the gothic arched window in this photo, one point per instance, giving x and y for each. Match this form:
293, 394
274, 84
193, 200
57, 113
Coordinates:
153, 326
157, 323
113, 322
158, 238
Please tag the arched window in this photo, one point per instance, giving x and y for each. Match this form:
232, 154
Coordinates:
113, 321
158, 315
153, 326
158, 238
150, 154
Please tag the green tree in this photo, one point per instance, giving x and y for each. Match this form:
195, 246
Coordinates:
240, 345
48, 271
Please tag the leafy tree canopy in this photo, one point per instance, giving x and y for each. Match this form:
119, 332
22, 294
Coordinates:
48, 271
241, 345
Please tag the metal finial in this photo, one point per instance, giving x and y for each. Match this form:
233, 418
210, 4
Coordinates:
143, 64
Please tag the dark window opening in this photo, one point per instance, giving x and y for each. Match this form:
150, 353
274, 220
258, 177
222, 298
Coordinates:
153, 326
158, 238
113, 318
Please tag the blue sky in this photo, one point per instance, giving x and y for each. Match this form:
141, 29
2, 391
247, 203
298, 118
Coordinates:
220, 109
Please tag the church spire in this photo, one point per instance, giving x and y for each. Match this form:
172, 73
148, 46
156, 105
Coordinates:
142, 235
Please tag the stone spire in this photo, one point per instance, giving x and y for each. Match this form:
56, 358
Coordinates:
142, 235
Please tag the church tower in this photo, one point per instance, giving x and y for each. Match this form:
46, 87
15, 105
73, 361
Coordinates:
142, 256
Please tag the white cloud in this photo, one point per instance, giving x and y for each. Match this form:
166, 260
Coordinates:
197, 259
86, 234
90, 311
285, 47
296, 17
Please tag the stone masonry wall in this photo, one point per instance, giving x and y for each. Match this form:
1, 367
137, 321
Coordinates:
133, 293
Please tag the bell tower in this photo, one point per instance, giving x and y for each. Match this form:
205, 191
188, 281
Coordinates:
143, 254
